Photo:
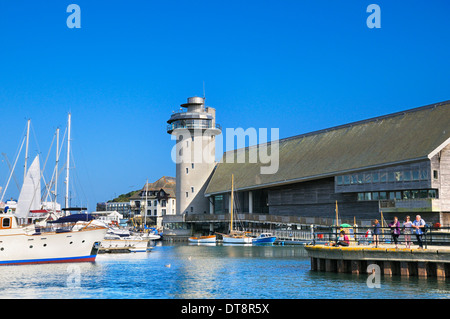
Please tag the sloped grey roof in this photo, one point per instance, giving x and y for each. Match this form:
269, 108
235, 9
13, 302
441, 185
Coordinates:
391, 139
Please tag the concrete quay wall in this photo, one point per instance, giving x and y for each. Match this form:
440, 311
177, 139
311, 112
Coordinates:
432, 262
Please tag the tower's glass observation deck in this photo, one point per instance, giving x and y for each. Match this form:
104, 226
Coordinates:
193, 116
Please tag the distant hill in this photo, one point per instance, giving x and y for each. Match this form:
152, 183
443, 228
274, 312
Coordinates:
124, 197
166, 182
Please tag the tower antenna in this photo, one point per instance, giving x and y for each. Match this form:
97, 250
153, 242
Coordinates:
204, 94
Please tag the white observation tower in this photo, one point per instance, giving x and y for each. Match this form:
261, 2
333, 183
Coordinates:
194, 128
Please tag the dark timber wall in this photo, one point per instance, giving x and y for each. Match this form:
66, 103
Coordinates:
318, 199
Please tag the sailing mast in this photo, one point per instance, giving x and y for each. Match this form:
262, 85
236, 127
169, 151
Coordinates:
231, 208
56, 170
67, 162
145, 206
12, 172
26, 150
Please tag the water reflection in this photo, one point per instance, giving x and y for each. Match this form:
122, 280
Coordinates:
43, 281
257, 272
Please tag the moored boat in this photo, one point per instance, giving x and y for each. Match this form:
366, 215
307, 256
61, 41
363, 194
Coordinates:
114, 241
30, 245
203, 239
264, 238
235, 236
71, 238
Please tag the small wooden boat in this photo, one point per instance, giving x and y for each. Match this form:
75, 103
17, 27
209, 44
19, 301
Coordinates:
203, 239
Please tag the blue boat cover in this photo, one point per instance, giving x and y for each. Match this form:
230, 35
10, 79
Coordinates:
73, 218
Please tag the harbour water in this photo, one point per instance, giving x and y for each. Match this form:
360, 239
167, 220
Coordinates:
183, 271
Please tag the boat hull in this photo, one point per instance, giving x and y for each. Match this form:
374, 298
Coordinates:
75, 246
80, 259
202, 240
133, 245
237, 240
265, 240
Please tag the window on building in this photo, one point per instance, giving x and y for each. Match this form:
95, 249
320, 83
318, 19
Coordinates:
187, 194
187, 170
163, 212
435, 174
432, 193
360, 178
406, 194
415, 175
391, 177
218, 204
155, 202
155, 212
424, 174
163, 203
407, 176
383, 177
423, 193
375, 196
375, 177
346, 180
339, 180
192, 165
192, 209
192, 189
383, 195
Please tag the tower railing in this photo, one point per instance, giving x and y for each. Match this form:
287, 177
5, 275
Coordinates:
197, 110
192, 126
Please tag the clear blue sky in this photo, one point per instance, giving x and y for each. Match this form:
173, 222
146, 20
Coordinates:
295, 65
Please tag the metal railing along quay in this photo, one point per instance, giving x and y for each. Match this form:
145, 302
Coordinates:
363, 255
436, 236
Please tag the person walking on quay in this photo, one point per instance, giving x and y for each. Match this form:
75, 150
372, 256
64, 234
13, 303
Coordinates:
407, 227
395, 230
419, 224
376, 232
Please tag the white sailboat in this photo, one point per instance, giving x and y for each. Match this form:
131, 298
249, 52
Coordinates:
235, 236
29, 244
30, 194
